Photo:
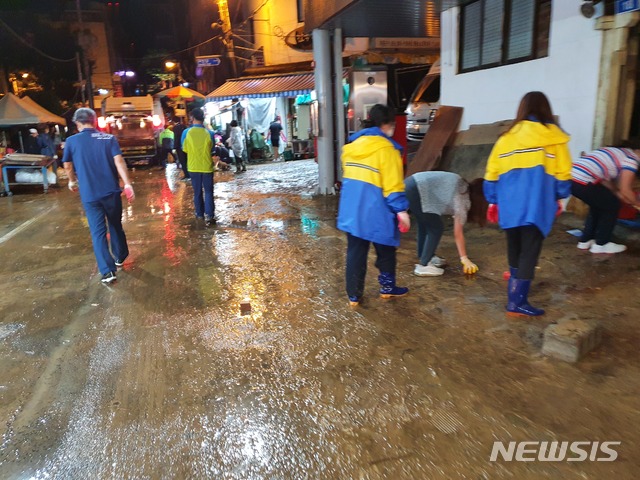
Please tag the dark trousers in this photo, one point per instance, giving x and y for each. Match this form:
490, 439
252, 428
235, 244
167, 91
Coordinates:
523, 249
182, 158
103, 212
164, 154
430, 226
603, 211
202, 184
357, 253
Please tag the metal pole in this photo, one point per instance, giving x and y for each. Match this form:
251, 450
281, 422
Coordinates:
232, 56
322, 75
223, 8
339, 96
85, 58
80, 79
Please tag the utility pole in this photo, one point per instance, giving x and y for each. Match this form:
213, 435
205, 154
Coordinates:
223, 7
80, 79
82, 41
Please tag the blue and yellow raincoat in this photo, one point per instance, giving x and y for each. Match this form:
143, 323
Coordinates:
372, 188
529, 169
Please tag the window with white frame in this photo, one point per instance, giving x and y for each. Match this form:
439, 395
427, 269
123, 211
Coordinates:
500, 32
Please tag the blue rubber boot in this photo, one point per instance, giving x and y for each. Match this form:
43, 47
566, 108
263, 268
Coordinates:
388, 287
354, 301
518, 305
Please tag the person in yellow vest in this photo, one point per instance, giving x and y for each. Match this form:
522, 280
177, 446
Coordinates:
165, 145
198, 143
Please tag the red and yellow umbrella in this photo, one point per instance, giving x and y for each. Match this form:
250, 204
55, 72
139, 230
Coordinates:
179, 92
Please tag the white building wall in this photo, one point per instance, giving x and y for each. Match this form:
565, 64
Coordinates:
273, 20
568, 76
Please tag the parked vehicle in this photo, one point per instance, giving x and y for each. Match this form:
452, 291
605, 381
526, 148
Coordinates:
424, 104
135, 121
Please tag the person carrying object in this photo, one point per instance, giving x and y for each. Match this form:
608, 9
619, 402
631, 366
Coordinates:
528, 171
178, 130
372, 203
236, 142
93, 162
601, 179
432, 195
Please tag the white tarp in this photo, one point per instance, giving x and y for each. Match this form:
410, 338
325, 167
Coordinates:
13, 111
260, 113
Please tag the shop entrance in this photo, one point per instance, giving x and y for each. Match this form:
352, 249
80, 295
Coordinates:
632, 132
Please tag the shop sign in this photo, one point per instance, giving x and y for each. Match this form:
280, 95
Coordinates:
407, 43
208, 61
624, 6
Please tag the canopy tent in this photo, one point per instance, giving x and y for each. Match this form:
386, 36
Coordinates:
44, 111
179, 91
14, 111
289, 85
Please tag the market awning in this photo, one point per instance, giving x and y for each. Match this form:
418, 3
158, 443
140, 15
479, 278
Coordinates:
15, 111
289, 85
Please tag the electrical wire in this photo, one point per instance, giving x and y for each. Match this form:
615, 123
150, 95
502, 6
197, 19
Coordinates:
191, 48
250, 17
248, 49
12, 32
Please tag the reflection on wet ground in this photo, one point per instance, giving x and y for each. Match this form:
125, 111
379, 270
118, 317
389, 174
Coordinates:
166, 375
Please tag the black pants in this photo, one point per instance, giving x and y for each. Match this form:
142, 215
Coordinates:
603, 211
430, 226
182, 158
523, 249
357, 252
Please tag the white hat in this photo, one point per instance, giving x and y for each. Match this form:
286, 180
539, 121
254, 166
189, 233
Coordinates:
33, 130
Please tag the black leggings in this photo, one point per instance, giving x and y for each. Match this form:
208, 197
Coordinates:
523, 248
357, 253
603, 211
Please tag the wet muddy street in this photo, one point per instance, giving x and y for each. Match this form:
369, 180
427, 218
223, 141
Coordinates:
164, 375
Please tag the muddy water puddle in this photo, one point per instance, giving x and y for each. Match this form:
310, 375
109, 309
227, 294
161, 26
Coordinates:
166, 375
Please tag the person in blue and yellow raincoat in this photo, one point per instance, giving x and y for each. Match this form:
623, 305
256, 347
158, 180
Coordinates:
528, 171
372, 202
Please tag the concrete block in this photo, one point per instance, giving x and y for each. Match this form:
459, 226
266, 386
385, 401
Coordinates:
571, 340
245, 307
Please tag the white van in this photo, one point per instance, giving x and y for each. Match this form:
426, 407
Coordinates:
424, 104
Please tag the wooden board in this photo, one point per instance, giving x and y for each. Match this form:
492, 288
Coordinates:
25, 158
440, 132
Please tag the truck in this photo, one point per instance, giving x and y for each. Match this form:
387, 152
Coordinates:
135, 121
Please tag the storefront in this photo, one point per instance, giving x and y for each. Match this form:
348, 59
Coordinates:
260, 100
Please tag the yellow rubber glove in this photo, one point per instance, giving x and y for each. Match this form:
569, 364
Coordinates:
468, 267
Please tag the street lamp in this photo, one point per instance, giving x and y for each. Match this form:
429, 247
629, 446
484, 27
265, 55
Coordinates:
170, 65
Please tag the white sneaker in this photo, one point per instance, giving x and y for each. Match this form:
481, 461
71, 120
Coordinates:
586, 245
607, 248
436, 261
427, 271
